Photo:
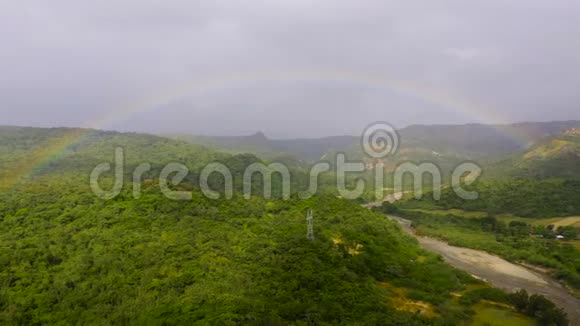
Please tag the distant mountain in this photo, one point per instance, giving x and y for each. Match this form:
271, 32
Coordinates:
310, 149
553, 156
443, 144
257, 142
478, 140
527, 149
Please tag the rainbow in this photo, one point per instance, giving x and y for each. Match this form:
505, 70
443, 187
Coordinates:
423, 91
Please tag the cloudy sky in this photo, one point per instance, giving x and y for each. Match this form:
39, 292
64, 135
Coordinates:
287, 67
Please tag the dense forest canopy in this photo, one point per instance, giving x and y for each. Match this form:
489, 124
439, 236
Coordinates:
69, 256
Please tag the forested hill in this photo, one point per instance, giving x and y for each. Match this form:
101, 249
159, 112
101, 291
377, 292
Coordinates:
27, 154
524, 197
539, 182
73, 149
69, 257
551, 157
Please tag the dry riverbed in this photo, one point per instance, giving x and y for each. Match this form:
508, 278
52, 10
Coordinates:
500, 272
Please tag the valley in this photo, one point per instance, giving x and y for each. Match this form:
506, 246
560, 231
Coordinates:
497, 271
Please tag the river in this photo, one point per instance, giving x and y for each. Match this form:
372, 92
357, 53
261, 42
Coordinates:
500, 272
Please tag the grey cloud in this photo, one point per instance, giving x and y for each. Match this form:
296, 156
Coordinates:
71, 62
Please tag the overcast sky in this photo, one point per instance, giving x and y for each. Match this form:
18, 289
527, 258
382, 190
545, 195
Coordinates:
286, 67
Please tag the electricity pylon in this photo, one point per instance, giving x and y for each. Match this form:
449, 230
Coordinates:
310, 225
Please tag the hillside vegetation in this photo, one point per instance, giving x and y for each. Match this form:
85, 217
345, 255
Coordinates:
553, 157
67, 256
520, 196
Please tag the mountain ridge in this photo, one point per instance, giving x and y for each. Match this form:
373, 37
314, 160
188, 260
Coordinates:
470, 140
